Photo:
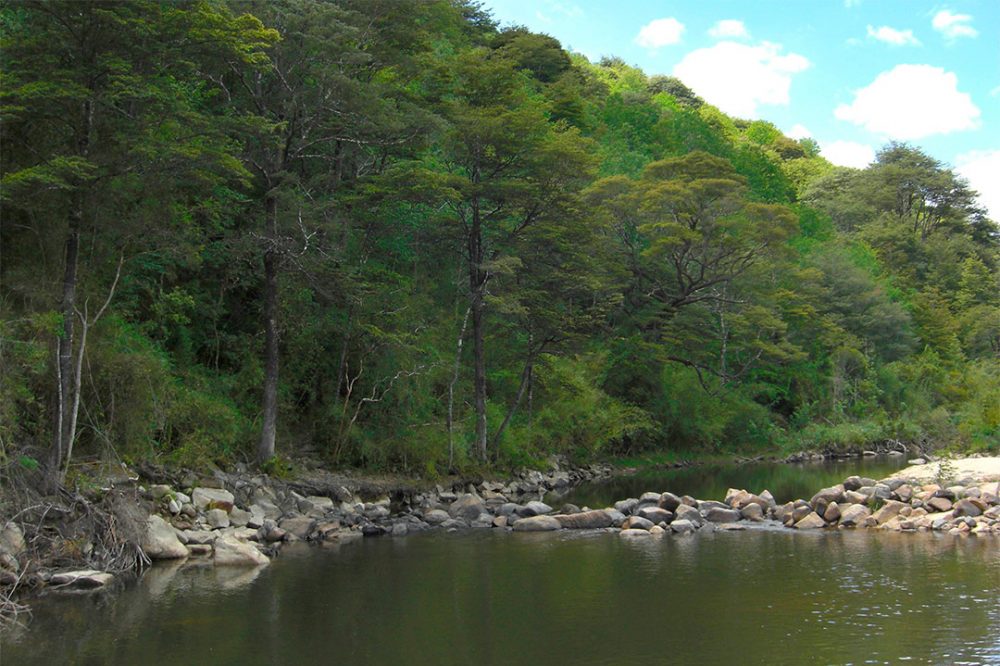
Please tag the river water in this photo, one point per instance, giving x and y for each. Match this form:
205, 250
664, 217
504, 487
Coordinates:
763, 596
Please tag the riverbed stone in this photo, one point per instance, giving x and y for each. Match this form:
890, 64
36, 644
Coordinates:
810, 522
240, 518
888, 511
655, 514
537, 524
690, 514
298, 526
632, 533
617, 517
202, 497
968, 506
939, 503
199, 537
637, 523
656, 530
86, 579
160, 541
682, 526
12, 539
534, 508
669, 501
159, 490
800, 511
826, 496
718, 515
217, 518
467, 506
854, 497
753, 512
230, 551
626, 506
854, 514
595, 519
832, 513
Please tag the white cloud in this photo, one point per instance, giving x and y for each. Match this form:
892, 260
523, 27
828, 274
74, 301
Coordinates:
848, 153
739, 77
892, 36
980, 168
799, 131
660, 32
953, 26
729, 28
911, 102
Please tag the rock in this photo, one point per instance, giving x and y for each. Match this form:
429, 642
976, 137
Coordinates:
299, 526
705, 505
682, 526
537, 524
669, 501
569, 508
217, 518
730, 527
854, 514
436, 517
160, 541
240, 518
655, 514
632, 533
500, 521
399, 529
230, 551
854, 497
467, 506
534, 509
656, 530
87, 579
202, 497
717, 515
888, 511
690, 514
586, 520
174, 507
882, 491
810, 522
939, 504
832, 513
649, 499
617, 517
158, 491
627, 505
736, 498
968, 507
12, 539
753, 511
637, 523
199, 549
315, 504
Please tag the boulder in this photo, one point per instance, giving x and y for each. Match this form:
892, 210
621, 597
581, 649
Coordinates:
535, 508
737, 498
202, 497
810, 522
626, 505
12, 539
888, 511
649, 499
315, 504
637, 523
617, 517
217, 518
200, 537
299, 526
669, 501
240, 518
717, 515
230, 551
682, 526
160, 541
690, 514
655, 514
968, 507
586, 520
158, 491
827, 496
753, 511
939, 504
537, 524
467, 506
854, 497
656, 530
87, 579
832, 513
632, 533
436, 516
854, 515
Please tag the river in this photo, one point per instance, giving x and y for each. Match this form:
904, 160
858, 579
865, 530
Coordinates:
488, 597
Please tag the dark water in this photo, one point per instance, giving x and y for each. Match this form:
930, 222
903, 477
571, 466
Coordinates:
710, 481
488, 597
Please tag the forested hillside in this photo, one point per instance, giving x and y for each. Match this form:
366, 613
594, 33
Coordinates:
389, 234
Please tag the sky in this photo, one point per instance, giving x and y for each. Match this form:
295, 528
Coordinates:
851, 74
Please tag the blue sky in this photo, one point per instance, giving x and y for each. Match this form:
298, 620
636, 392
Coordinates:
852, 74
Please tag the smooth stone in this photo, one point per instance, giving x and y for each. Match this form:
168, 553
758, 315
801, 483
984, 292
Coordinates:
626, 505
161, 542
655, 514
436, 516
159, 490
199, 537
717, 515
854, 515
832, 513
315, 504
889, 511
632, 533
240, 518
669, 501
86, 579
536, 508
230, 551
753, 511
968, 507
585, 520
656, 530
637, 523
299, 526
217, 518
12, 539
939, 504
202, 497
537, 524
682, 526
617, 517
690, 514
810, 522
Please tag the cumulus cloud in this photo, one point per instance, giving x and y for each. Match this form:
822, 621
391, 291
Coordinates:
660, 32
729, 28
980, 168
952, 25
799, 131
848, 153
739, 77
911, 102
892, 36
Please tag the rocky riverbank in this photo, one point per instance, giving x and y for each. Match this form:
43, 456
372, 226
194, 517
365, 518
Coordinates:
245, 519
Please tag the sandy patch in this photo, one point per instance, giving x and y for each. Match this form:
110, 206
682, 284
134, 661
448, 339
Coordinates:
979, 469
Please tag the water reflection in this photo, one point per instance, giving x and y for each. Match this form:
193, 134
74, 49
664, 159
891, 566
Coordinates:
758, 596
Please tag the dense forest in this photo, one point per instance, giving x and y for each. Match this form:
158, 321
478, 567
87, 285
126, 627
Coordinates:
391, 234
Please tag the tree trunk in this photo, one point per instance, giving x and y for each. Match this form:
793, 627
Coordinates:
265, 448
451, 390
64, 360
525, 381
477, 289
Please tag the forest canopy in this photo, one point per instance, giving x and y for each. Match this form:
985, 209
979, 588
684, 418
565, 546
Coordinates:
391, 234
